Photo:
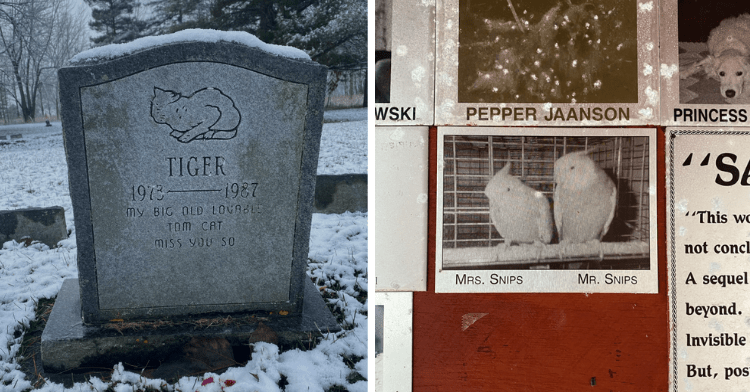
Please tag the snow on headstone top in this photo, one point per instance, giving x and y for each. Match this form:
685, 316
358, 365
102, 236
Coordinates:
112, 51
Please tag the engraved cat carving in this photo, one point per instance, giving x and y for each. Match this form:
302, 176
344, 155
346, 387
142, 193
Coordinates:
205, 114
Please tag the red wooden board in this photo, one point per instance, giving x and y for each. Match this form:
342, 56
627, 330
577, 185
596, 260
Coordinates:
542, 342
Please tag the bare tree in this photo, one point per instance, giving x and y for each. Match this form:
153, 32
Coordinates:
36, 37
4, 92
25, 36
69, 39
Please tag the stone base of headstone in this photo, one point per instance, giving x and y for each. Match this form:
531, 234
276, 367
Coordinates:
198, 356
335, 194
46, 225
68, 344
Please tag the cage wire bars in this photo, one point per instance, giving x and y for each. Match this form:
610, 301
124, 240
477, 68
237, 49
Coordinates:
471, 161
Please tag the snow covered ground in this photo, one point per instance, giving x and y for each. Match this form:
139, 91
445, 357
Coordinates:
33, 173
343, 150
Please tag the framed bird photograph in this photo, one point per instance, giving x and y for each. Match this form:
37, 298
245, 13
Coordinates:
547, 62
705, 55
546, 210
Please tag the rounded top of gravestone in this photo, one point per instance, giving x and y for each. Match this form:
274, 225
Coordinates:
109, 52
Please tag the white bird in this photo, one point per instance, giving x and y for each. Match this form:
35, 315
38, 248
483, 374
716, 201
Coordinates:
585, 199
520, 214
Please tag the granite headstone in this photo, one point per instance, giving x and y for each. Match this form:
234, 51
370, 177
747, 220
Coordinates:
192, 166
192, 170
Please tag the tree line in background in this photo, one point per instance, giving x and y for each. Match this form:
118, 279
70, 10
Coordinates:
332, 32
37, 37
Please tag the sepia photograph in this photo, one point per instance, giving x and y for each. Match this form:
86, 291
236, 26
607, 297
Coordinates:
547, 62
575, 200
548, 51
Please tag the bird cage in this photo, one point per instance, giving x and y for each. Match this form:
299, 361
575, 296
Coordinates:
470, 161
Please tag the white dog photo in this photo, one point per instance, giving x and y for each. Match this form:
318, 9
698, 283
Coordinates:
727, 62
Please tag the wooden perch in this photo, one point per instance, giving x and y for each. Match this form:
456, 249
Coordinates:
530, 255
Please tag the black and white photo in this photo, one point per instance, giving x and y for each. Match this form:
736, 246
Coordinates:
517, 207
383, 17
705, 66
713, 50
393, 341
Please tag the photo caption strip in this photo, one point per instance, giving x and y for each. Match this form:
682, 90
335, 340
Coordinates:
708, 253
547, 63
499, 214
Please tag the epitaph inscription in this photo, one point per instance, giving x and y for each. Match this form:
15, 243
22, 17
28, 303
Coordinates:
204, 221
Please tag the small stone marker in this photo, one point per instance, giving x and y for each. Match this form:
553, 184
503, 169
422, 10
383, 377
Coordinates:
192, 173
46, 225
16, 136
335, 194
